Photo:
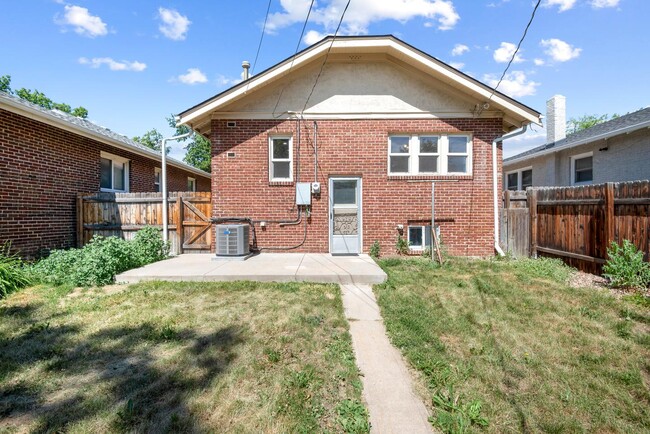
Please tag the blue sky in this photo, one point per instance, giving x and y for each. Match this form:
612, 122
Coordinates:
132, 63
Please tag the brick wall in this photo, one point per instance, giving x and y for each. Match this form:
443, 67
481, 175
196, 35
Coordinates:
241, 187
42, 168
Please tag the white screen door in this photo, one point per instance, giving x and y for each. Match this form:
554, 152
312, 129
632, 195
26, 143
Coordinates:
345, 215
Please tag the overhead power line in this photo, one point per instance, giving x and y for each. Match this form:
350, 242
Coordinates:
532, 17
259, 46
326, 56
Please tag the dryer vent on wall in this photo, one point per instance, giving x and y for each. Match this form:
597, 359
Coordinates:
233, 240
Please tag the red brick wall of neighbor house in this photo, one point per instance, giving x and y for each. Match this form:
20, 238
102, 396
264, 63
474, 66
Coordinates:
241, 187
42, 168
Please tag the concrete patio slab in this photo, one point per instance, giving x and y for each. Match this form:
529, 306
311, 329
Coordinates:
265, 267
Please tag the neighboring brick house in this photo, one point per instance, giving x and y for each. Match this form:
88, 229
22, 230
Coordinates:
47, 157
373, 121
613, 151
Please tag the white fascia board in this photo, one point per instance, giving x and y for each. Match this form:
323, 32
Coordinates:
385, 44
626, 130
54, 121
352, 115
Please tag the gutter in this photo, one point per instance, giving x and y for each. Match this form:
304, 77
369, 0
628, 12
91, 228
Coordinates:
495, 183
603, 136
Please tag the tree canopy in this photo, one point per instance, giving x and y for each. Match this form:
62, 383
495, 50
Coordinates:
151, 139
39, 98
587, 121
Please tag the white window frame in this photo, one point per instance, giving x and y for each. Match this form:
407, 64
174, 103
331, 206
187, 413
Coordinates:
272, 160
520, 177
193, 181
157, 173
443, 153
573, 168
127, 170
420, 247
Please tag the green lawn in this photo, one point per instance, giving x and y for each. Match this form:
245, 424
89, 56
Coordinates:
507, 346
178, 357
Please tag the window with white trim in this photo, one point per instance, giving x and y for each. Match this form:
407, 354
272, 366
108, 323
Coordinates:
191, 184
114, 173
419, 237
156, 178
582, 169
280, 158
429, 154
519, 179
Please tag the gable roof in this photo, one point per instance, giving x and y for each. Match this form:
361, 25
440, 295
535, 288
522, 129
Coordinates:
515, 114
621, 125
86, 128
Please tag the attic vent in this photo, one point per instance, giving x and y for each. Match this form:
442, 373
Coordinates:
355, 57
231, 124
230, 154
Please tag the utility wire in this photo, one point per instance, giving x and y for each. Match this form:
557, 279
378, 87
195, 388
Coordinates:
326, 56
311, 5
517, 50
268, 8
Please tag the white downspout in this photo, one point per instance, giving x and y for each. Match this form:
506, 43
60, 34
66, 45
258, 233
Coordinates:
163, 181
495, 184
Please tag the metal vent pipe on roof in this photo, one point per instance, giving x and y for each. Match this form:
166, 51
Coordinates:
246, 65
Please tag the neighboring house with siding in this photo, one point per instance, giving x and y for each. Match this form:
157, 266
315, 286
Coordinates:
359, 127
47, 157
613, 151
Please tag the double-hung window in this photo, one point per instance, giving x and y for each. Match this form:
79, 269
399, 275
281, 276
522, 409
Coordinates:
582, 169
114, 173
429, 154
280, 159
191, 184
157, 173
519, 179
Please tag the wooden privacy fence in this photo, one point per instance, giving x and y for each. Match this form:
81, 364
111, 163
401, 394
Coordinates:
123, 214
577, 224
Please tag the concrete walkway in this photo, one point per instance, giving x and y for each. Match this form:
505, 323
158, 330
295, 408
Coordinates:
265, 267
387, 385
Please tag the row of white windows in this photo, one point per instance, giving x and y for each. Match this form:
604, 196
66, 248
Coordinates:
407, 155
582, 172
115, 175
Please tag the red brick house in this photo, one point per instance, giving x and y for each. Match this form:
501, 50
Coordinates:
47, 157
373, 121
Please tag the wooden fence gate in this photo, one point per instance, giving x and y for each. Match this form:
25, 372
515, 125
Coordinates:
123, 214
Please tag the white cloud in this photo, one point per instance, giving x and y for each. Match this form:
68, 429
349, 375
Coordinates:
457, 65
564, 5
174, 25
193, 76
505, 52
539, 62
82, 22
599, 4
362, 13
559, 50
515, 84
113, 65
459, 49
312, 36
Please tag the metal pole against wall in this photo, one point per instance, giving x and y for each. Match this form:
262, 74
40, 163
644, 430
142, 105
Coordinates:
433, 213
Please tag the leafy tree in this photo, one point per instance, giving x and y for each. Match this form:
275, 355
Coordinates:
587, 121
198, 148
151, 139
39, 98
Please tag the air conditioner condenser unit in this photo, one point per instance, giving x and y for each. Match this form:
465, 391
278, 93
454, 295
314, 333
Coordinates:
233, 240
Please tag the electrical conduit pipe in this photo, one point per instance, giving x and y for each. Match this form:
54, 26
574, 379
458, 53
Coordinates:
495, 184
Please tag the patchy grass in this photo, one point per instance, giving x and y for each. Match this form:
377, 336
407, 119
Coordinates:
178, 357
508, 346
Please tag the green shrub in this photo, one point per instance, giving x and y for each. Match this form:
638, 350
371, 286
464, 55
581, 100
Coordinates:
101, 259
375, 249
401, 245
147, 246
13, 274
625, 266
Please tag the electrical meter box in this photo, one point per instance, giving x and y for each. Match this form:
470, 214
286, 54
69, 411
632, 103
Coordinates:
303, 193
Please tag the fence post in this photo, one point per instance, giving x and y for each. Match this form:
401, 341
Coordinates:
531, 199
506, 200
609, 213
180, 231
80, 220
